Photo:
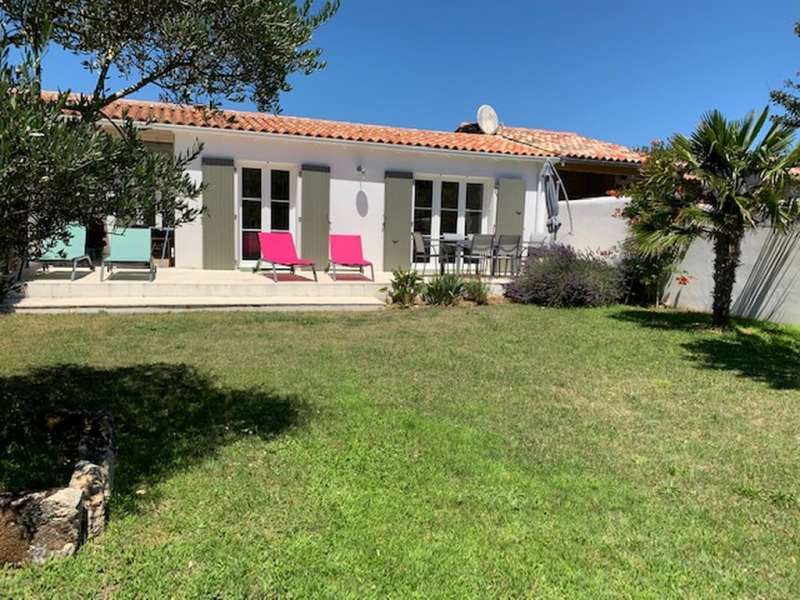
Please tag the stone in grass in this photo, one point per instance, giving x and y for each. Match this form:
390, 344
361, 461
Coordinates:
95, 482
37, 526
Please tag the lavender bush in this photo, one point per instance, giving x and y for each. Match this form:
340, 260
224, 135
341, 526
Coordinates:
558, 276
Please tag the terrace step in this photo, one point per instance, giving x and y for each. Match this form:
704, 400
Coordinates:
172, 304
143, 289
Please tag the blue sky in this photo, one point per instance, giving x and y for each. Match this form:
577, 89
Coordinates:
621, 70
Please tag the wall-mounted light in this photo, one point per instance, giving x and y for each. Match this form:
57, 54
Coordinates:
361, 171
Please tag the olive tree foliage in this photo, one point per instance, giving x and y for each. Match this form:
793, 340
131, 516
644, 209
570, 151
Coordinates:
57, 169
193, 51
59, 166
726, 177
789, 97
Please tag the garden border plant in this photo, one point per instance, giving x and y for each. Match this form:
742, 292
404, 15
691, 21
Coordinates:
444, 290
477, 291
560, 276
407, 287
404, 287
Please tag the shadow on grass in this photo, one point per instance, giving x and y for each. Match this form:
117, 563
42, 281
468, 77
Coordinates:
168, 417
758, 350
665, 319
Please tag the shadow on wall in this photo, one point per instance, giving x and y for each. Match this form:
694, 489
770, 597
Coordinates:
770, 281
760, 351
168, 418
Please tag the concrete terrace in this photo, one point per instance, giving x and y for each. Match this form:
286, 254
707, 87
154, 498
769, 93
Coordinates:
186, 289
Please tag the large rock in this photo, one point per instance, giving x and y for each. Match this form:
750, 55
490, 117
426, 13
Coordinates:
95, 483
94, 472
37, 526
14, 538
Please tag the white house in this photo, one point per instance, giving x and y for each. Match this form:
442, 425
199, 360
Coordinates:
314, 177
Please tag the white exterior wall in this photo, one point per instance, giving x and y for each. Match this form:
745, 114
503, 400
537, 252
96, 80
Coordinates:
356, 200
594, 227
189, 236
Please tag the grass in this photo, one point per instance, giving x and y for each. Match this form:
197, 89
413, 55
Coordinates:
500, 451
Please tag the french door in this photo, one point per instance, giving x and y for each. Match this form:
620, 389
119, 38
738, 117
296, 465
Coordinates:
449, 208
265, 204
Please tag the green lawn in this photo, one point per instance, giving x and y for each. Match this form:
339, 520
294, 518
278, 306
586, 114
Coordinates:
500, 451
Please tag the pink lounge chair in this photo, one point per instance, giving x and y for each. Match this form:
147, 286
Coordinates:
278, 248
346, 252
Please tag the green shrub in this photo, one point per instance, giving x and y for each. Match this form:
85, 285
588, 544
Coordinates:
404, 287
645, 275
477, 291
559, 276
443, 290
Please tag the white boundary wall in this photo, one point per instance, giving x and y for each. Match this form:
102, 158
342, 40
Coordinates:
594, 226
767, 281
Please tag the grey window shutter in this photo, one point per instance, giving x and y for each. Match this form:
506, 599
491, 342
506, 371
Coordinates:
510, 207
219, 237
315, 213
397, 209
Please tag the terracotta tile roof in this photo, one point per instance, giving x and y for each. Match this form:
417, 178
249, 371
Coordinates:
570, 145
511, 141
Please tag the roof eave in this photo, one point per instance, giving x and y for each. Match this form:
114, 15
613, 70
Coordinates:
566, 160
359, 143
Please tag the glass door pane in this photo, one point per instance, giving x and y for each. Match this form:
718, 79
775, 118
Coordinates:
448, 221
423, 215
250, 213
473, 215
449, 213
279, 200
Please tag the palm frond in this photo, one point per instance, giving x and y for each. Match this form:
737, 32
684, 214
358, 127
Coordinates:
657, 243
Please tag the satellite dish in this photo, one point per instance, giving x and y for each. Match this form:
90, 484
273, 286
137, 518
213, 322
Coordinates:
487, 120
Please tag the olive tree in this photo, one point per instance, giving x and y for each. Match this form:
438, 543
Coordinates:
59, 166
56, 170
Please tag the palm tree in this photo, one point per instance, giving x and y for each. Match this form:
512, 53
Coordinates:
723, 179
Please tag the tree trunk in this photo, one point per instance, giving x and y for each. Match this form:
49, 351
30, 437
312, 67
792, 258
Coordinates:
727, 251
